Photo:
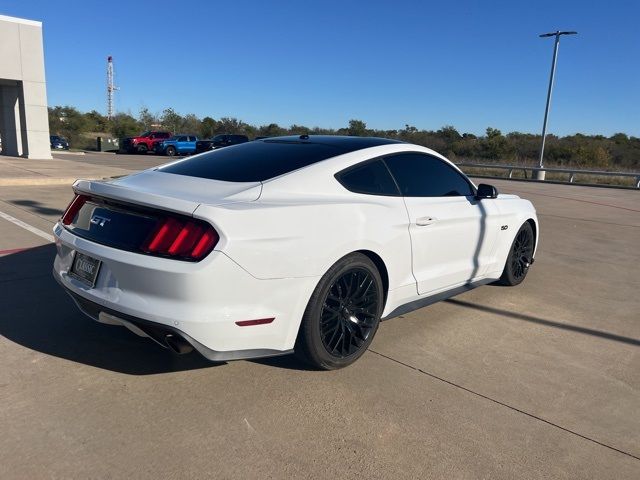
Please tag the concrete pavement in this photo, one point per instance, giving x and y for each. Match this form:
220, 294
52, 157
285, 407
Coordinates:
537, 381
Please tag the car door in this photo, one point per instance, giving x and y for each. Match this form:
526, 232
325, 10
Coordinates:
181, 143
190, 146
452, 233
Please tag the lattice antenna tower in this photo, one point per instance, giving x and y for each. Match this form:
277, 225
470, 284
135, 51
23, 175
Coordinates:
111, 88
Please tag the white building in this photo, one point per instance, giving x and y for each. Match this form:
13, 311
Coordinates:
24, 122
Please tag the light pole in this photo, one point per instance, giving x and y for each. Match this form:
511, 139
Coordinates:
540, 174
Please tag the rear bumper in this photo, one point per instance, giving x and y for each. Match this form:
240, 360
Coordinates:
201, 302
159, 332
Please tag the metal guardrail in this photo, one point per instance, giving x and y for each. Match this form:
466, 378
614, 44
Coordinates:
571, 172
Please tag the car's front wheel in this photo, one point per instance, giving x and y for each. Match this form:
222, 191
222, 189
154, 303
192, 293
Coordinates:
142, 148
171, 151
343, 314
520, 256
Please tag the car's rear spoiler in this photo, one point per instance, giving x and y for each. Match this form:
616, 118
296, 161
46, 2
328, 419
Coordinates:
175, 193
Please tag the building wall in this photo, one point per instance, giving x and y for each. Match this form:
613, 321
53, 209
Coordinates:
24, 121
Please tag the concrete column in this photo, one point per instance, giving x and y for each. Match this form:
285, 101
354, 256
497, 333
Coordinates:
35, 122
10, 113
33, 95
24, 120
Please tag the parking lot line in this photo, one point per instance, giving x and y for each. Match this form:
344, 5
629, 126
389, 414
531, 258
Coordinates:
26, 226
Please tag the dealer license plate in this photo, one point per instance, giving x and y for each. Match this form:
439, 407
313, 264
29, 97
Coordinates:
85, 268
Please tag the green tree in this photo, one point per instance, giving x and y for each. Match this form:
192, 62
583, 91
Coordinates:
190, 124
147, 119
271, 130
449, 134
299, 130
124, 125
231, 125
357, 128
207, 127
495, 146
493, 133
171, 120
96, 122
68, 122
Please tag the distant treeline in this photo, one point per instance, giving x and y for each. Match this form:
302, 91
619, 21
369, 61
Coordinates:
619, 151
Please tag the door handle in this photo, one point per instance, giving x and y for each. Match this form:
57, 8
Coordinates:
424, 221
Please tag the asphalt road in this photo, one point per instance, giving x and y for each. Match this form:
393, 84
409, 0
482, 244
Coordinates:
537, 381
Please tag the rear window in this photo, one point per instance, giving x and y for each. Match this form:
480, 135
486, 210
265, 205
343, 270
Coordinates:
254, 161
372, 178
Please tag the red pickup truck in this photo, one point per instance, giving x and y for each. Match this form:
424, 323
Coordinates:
144, 142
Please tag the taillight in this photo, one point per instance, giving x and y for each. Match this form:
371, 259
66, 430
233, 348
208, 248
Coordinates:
188, 239
73, 209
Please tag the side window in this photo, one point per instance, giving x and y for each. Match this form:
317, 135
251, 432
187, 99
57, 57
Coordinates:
192, 139
420, 175
372, 178
182, 139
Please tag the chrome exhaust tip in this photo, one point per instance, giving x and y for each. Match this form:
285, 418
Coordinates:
177, 344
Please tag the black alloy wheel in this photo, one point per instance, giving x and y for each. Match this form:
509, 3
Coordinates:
349, 312
142, 148
520, 256
342, 315
171, 151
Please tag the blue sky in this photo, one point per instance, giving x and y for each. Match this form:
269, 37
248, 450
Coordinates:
464, 63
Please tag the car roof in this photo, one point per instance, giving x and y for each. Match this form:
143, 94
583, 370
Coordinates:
265, 159
344, 143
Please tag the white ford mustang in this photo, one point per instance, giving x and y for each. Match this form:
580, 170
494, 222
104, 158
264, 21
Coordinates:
286, 243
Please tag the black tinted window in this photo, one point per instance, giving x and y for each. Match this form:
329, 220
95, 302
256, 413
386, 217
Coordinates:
372, 178
253, 161
420, 175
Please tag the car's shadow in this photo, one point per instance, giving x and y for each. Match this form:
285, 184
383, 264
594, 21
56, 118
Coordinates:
36, 313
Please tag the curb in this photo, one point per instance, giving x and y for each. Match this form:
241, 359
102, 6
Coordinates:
65, 152
25, 182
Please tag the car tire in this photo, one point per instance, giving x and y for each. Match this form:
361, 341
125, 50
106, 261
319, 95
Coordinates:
171, 151
142, 148
342, 315
520, 257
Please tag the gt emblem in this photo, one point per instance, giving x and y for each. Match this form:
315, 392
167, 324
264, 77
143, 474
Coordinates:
504, 227
100, 221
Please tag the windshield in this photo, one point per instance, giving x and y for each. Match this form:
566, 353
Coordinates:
145, 134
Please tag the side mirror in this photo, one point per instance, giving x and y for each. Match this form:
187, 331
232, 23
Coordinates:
486, 191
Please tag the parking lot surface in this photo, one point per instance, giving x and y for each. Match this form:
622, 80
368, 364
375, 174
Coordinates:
537, 381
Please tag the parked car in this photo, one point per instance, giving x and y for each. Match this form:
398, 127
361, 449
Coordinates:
219, 141
177, 145
58, 142
143, 143
287, 243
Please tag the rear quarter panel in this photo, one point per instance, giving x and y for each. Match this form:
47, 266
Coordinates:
281, 239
